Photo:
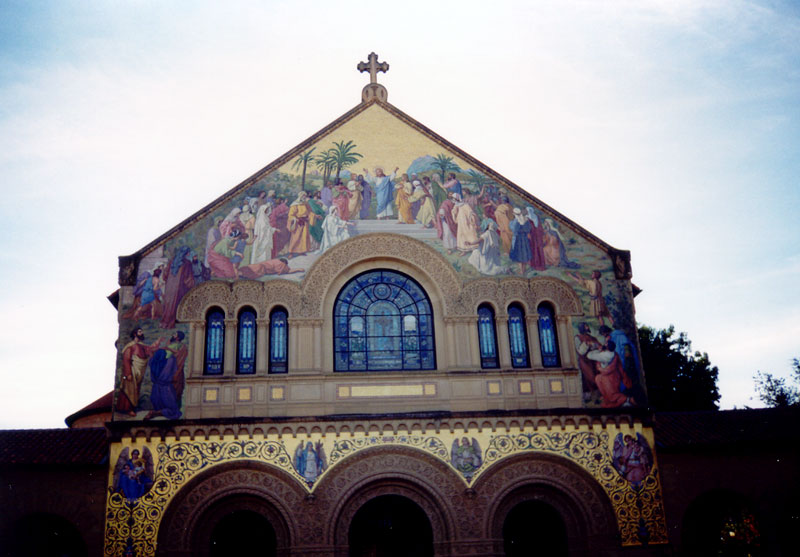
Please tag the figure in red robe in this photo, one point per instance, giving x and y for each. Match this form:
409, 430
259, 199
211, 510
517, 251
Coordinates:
279, 220
610, 376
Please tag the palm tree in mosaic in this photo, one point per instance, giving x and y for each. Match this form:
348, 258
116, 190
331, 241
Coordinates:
477, 178
345, 156
445, 164
325, 162
303, 160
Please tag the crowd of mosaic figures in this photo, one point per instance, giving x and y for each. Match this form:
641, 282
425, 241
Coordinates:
261, 236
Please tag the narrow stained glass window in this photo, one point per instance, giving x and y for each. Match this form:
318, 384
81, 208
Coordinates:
383, 322
278, 341
246, 354
517, 336
487, 337
215, 341
548, 341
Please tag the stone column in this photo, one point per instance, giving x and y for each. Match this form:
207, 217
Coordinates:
503, 346
262, 346
229, 360
535, 349
197, 334
566, 350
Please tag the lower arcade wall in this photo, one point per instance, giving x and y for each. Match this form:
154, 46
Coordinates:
152, 469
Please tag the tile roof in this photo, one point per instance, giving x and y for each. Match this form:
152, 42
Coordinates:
53, 446
675, 430
99, 406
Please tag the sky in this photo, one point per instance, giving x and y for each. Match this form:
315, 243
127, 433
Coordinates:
671, 129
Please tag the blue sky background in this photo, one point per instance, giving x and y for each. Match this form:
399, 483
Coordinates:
668, 128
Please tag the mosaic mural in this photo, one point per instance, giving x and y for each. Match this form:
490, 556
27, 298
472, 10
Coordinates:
373, 173
132, 522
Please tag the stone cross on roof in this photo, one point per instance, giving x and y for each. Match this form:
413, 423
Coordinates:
373, 89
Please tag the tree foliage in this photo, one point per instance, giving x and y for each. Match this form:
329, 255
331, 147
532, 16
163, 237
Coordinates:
344, 155
302, 162
445, 164
677, 378
777, 392
326, 162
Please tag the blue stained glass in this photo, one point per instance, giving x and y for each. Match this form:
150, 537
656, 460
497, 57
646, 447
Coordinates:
215, 342
362, 300
246, 357
411, 360
487, 338
517, 337
278, 341
396, 322
411, 343
548, 341
403, 299
357, 326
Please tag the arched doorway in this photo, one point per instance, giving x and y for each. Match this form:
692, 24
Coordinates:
390, 526
534, 528
46, 535
229, 510
242, 532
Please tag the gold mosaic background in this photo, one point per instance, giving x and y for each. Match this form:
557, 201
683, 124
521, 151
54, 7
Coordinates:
135, 524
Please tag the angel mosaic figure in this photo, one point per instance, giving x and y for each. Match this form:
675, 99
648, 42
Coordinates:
633, 458
310, 460
466, 457
133, 474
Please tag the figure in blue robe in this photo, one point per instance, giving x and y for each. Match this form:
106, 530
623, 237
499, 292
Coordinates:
163, 373
383, 187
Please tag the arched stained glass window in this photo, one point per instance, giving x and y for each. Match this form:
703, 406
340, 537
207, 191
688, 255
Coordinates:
278, 341
215, 341
383, 322
487, 337
246, 345
517, 336
548, 339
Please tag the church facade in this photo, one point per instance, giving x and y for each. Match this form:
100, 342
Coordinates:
378, 345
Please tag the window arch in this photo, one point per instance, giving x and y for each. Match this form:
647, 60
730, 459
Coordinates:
215, 342
383, 322
487, 337
278, 340
517, 336
246, 341
548, 338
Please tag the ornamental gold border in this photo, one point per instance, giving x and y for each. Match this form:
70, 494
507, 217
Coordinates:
134, 524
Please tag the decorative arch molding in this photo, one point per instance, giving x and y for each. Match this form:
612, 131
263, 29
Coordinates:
231, 296
556, 291
244, 485
407, 472
577, 497
308, 299
529, 292
330, 268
